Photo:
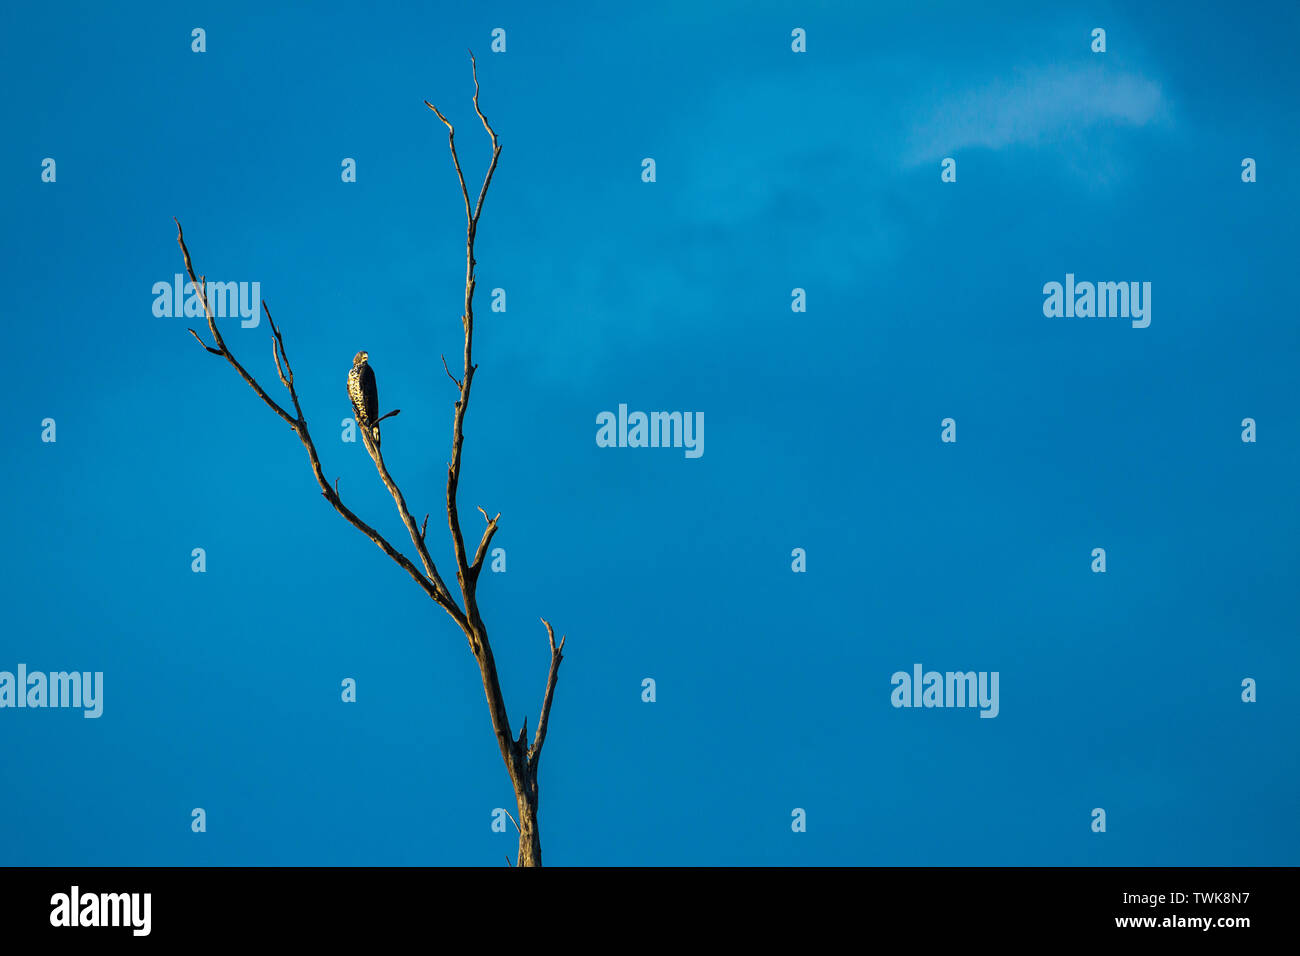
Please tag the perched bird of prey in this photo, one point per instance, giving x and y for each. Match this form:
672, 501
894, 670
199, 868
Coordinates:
364, 394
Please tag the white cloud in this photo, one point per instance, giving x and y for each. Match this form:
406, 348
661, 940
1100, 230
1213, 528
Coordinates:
1058, 104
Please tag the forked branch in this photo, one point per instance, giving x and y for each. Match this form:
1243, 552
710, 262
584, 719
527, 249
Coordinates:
521, 758
298, 422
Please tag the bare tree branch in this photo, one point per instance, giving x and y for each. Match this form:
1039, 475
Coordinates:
416, 537
278, 347
514, 752
496, 148
521, 760
557, 655
481, 553
216, 335
275, 354
299, 425
451, 141
467, 379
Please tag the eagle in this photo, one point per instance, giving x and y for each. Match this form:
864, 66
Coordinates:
364, 395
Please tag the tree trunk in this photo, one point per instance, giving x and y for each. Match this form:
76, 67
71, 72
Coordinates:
530, 840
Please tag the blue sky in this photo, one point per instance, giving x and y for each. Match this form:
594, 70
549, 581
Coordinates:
775, 170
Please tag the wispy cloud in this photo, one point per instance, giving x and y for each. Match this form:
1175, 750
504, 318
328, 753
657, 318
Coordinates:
1059, 105
788, 167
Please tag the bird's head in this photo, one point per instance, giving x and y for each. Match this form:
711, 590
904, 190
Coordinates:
360, 358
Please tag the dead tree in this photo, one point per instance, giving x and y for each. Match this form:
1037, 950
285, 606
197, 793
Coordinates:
521, 756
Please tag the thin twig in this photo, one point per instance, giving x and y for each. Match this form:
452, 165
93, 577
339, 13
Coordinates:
204, 344
480, 554
512, 820
448, 371
275, 354
451, 141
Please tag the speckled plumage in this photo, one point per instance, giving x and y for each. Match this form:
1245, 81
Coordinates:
364, 395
